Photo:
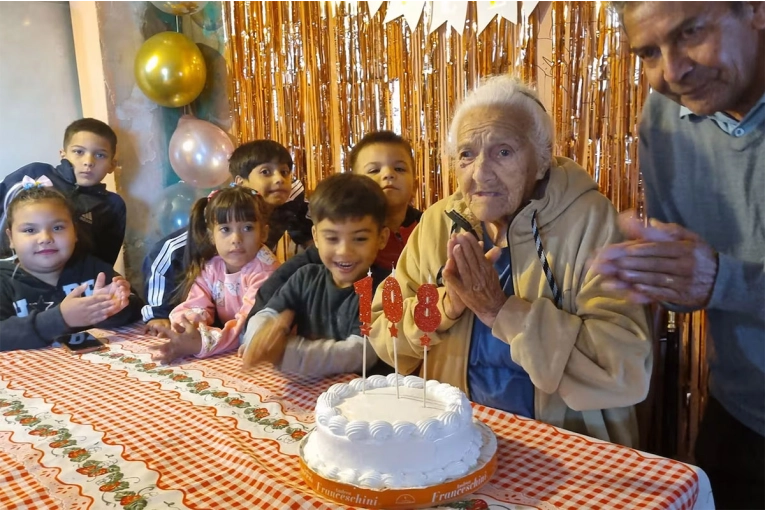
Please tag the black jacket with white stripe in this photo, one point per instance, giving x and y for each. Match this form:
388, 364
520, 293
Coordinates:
164, 266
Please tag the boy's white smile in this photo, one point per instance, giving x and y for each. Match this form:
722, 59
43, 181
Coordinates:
346, 267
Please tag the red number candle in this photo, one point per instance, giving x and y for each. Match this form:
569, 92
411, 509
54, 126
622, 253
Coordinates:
393, 307
363, 289
426, 314
393, 302
427, 318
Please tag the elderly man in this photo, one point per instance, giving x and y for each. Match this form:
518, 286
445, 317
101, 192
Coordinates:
702, 154
526, 327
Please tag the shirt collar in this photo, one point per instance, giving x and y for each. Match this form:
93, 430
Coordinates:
728, 124
684, 111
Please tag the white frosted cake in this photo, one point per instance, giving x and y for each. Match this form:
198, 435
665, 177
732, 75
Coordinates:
376, 440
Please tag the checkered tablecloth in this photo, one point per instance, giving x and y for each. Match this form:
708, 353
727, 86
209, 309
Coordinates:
114, 430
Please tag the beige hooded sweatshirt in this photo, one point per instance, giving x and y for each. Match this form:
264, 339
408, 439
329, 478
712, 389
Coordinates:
590, 362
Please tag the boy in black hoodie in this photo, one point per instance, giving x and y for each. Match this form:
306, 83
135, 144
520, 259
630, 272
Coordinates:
87, 157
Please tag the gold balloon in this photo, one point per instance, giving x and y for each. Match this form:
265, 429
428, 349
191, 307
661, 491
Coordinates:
170, 69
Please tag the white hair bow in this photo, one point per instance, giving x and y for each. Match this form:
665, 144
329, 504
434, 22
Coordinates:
26, 183
41, 182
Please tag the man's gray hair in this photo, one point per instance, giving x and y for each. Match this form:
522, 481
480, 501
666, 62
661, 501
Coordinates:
509, 94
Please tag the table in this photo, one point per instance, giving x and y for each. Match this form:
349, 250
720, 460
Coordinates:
114, 430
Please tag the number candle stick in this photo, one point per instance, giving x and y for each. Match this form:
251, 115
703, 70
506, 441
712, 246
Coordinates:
393, 307
427, 318
363, 289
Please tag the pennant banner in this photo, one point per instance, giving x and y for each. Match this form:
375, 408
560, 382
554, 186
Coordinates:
453, 13
411, 11
374, 7
486, 11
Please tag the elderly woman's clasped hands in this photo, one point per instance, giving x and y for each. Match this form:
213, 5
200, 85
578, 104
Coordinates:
471, 280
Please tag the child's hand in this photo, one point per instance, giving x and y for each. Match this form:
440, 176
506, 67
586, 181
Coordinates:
269, 343
184, 340
118, 290
156, 327
79, 311
120, 287
195, 316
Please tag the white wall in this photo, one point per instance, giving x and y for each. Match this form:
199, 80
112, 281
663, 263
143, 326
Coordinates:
39, 91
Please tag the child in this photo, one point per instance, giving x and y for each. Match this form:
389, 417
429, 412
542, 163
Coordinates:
349, 230
228, 263
41, 293
87, 157
387, 159
266, 167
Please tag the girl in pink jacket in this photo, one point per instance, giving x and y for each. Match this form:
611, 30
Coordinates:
228, 264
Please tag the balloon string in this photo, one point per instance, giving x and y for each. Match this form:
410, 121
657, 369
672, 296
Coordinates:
187, 109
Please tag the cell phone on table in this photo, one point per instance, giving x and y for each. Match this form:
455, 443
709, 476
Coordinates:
81, 343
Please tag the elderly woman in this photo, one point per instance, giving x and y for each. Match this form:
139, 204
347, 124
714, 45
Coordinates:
526, 327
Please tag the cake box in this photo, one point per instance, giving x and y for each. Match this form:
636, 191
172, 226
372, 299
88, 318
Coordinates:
355, 458
416, 497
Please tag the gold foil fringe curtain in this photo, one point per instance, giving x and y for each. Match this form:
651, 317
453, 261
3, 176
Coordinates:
599, 91
317, 76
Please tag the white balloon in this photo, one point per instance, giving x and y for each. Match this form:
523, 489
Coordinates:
199, 152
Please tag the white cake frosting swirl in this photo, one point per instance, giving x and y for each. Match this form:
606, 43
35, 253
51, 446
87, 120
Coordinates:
373, 439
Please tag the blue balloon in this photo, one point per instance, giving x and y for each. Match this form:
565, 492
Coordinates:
174, 206
209, 18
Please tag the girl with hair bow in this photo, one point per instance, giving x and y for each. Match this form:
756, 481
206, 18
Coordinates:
49, 288
227, 263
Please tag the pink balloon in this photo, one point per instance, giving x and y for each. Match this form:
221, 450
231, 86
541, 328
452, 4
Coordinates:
199, 152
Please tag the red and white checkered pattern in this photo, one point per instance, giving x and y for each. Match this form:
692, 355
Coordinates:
19, 488
202, 453
539, 463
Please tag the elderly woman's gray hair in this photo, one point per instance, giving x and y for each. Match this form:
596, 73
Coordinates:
508, 93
